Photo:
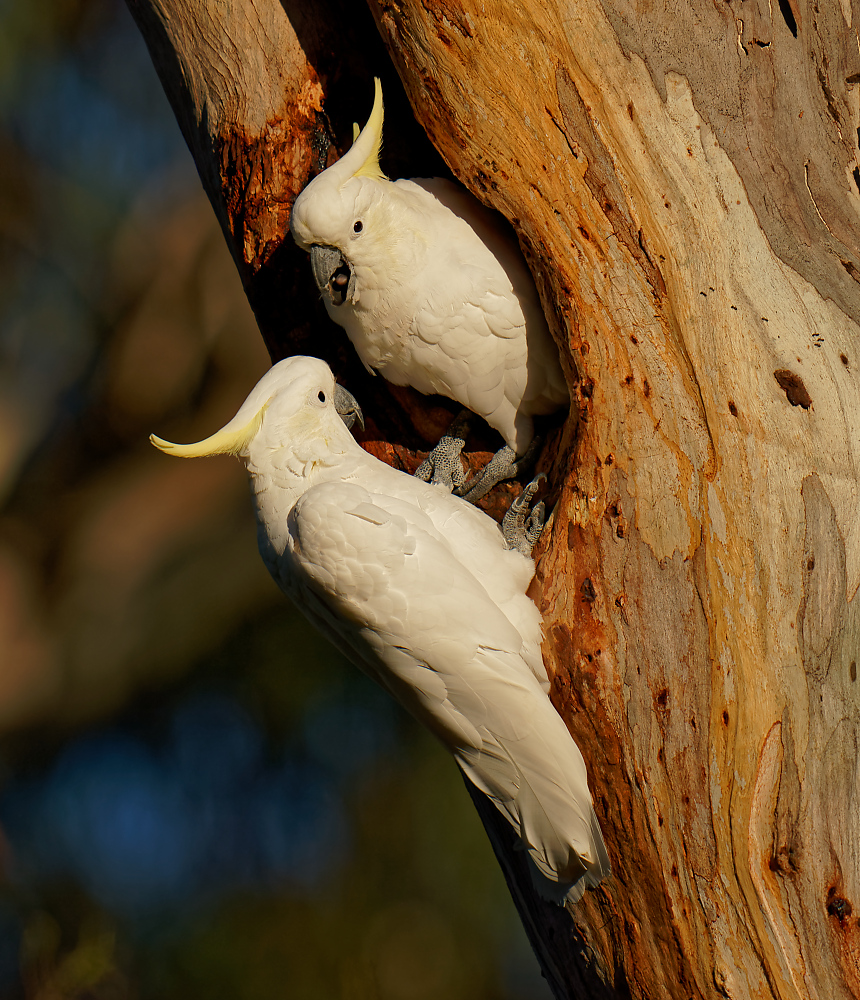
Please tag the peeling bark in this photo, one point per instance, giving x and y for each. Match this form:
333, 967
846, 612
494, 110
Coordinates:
685, 184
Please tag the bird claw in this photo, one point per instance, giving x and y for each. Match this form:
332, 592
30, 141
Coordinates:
503, 465
442, 467
522, 525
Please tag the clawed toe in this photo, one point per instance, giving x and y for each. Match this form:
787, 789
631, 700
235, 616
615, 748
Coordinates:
442, 466
503, 465
522, 525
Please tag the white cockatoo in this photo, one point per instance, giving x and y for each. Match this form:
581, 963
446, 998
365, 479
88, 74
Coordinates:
434, 293
418, 588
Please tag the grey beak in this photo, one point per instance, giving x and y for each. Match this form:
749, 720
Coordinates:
332, 273
346, 406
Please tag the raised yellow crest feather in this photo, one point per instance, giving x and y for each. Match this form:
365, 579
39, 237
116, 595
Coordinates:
371, 134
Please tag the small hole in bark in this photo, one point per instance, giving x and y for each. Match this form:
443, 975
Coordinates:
843, 358
856, 172
850, 268
732, 408
660, 755
837, 906
630, 111
628, 380
788, 15
587, 590
725, 717
851, 80
646, 387
795, 390
852, 670
610, 458
659, 821
674, 871
619, 529
693, 723
633, 339
583, 232
810, 564
663, 697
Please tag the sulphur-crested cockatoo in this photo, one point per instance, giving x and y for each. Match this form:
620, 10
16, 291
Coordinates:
434, 293
418, 588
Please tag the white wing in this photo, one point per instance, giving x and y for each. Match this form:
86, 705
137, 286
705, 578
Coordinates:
472, 539
483, 308
419, 622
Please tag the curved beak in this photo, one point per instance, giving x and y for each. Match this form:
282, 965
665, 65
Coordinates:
346, 406
332, 273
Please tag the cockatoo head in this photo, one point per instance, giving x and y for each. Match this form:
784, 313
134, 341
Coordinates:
342, 216
296, 402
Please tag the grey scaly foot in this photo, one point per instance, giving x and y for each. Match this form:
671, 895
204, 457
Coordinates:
522, 525
503, 465
443, 466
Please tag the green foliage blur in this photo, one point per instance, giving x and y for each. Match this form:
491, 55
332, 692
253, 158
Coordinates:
198, 796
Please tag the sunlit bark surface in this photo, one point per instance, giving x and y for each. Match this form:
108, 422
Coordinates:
684, 182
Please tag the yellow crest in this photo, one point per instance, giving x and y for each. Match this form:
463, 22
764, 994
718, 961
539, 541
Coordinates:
368, 143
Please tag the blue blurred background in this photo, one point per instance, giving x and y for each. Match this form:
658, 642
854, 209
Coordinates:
198, 796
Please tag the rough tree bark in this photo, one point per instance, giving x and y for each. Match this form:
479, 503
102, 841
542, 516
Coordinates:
684, 180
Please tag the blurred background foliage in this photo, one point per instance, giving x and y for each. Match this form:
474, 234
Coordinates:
198, 796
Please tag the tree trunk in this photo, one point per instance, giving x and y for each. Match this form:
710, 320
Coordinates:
684, 182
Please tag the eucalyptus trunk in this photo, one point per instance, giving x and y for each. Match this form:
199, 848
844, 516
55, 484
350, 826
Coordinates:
684, 182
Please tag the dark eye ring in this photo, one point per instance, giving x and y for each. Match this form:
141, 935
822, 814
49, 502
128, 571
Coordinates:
321, 396
358, 226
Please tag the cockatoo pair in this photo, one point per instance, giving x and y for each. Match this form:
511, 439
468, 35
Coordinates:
419, 588
435, 294
412, 583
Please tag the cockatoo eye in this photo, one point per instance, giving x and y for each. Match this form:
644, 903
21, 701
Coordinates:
321, 396
358, 225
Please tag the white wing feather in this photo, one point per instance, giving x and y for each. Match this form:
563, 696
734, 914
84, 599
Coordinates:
422, 625
469, 536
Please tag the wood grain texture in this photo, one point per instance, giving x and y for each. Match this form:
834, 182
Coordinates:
691, 213
684, 182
